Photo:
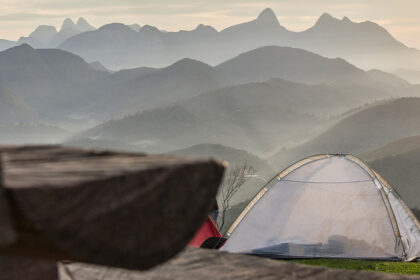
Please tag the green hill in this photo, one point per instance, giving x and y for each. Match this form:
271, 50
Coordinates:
399, 163
232, 156
363, 131
398, 147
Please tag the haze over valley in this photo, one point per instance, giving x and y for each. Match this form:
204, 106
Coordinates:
254, 92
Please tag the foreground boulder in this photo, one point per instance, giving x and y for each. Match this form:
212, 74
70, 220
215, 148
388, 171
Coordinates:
122, 210
214, 265
18, 268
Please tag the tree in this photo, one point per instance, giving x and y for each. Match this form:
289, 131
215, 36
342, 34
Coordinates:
234, 180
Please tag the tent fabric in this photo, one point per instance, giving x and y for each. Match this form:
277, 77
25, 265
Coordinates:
207, 230
327, 206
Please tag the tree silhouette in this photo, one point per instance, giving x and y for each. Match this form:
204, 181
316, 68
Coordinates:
234, 180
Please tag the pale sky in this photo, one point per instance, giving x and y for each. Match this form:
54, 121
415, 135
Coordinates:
20, 17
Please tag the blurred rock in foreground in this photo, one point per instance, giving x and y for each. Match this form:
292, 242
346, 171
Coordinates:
205, 264
121, 210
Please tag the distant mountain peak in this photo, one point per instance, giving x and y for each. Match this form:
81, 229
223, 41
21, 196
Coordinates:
346, 19
99, 66
44, 32
268, 16
83, 25
326, 18
20, 50
136, 27
187, 61
205, 28
23, 46
44, 28
148, 29
81, 20
115, 27
188, 64
68, 23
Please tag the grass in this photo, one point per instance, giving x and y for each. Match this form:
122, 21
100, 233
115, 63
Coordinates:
377, 266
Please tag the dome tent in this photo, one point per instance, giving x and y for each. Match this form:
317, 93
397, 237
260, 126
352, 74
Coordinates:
327, 206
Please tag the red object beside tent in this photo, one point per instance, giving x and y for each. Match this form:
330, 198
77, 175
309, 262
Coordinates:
207, 230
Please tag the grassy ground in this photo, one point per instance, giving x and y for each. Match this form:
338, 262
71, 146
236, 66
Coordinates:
388, 267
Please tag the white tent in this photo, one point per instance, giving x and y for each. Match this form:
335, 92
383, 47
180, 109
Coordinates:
327, 206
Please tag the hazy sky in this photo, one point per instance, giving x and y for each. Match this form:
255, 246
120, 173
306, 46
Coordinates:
20, 17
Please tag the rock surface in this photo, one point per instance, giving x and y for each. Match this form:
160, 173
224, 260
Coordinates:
122, 210
16, 268
208, 264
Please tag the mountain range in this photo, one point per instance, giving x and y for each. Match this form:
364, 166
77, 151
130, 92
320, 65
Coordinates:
5, 44
252, 116
269, 92
365, 44
398, 162
59, 84
410, 75
363, 131
232, 156
47, 36
44, 78
148, 88
253, 90
401, 146
145, 88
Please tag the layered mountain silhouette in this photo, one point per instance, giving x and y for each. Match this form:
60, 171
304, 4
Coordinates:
234, 157
86, 143
327, 81
302, 66
251, 116
5, 44
322, 100
365, 44
265, 25
178, 126
247, 102
99, 66
349, 35
148, 88
255, 86
43, 33
410, 75
399, 163
58, 83
43, 78
118, 46
363, 131
47, 36
136, 27
288, 63
401, 146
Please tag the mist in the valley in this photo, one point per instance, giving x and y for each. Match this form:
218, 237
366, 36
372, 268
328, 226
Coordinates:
254, 93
